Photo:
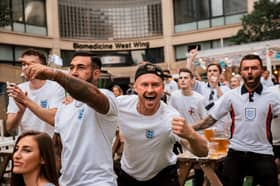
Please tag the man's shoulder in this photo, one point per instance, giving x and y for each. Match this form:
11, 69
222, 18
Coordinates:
125, 100
168, 110
197, 95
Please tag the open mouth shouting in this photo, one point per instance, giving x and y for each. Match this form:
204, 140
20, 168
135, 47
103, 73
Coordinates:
150, 98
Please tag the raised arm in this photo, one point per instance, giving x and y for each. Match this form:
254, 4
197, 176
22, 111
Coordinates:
190, 59
190, 139
79, 89
190, 62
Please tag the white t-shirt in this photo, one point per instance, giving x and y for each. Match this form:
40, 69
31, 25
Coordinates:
148, 140
251, 121
205, 90
87, 137
170, 87
48, 96
275, 123
191, 107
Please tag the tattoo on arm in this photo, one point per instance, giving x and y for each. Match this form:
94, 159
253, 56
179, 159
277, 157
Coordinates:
205, 123
83, 91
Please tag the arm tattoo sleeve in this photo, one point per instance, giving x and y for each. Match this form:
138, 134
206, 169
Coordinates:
205, 123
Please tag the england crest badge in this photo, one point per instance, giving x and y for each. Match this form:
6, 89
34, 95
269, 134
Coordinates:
250, 113
149, 133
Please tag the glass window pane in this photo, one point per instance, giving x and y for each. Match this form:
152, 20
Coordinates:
17, 9
36, 29
19, 27
233, 19
217, 21
5, 12
137, 56
6, 53
184, 11
180, 52
235, 6
186, 27
35, 12
203, 9
217, 7
95, 19
203, 24
227, 42
216, 43
205, 45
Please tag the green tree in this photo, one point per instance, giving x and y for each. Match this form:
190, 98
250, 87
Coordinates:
261, 25
5, 13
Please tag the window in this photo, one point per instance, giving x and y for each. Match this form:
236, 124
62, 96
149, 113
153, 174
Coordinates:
25, 16
180, 50
108, 21
10, 53
198, 14
121, 58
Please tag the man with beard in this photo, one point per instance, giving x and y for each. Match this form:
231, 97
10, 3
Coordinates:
251, 107
145, 123
87, 125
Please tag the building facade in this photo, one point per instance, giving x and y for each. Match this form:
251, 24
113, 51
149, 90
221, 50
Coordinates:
123, 33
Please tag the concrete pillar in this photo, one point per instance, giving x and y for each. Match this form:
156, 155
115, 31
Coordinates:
168, 31
53, 25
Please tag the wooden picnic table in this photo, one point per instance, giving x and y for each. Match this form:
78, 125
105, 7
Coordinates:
187, 161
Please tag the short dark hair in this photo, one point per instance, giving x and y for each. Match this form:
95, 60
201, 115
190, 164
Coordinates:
215, 64
33, 52
186, 70
46, 149
251, 57
95, 61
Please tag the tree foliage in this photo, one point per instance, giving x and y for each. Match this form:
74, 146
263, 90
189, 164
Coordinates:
261, 25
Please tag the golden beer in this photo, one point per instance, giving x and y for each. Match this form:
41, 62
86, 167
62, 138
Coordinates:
222, 144
209, 133
213, 150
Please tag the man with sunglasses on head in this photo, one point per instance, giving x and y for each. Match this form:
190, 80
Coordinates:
145, 123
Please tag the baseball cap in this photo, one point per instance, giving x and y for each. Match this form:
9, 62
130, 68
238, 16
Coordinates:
149, 68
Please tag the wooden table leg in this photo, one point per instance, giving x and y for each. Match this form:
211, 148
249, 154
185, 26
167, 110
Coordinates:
184, 170
211, 175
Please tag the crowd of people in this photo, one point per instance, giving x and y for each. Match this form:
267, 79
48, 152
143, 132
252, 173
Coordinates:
157, 113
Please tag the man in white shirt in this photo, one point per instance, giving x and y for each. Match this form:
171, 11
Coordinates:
189, 104
44, 93
266, 79
169, 84
145, 123
87, 125
252, 108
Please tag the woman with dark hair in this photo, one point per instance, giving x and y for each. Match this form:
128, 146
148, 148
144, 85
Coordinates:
34, 160
117, 90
